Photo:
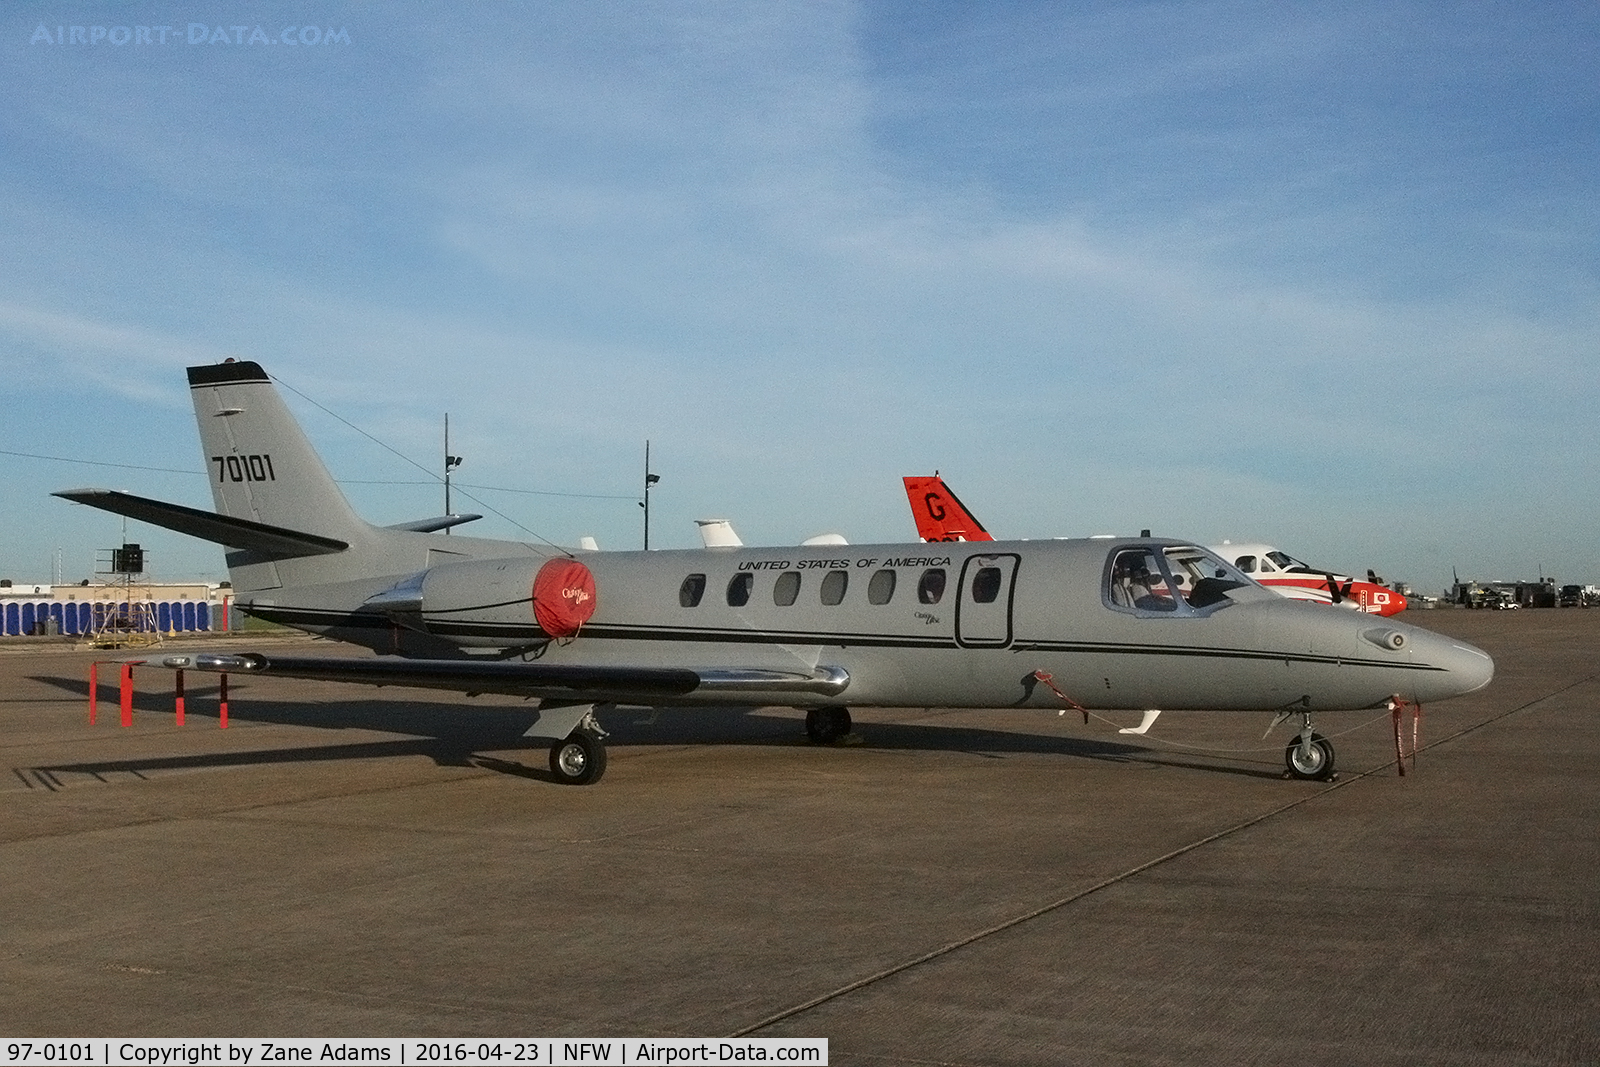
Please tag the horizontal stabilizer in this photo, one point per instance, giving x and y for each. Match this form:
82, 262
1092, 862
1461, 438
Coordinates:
553, 680
206, 525
443, 522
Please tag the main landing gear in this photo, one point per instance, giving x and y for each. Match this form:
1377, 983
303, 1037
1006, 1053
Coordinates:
1309, 756
824, 726
579, 758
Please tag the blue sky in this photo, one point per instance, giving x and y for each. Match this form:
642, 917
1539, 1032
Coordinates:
1319, 275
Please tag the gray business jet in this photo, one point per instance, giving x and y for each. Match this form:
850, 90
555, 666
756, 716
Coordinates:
1128, 623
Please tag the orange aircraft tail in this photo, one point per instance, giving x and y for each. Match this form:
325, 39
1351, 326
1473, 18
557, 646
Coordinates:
940, 516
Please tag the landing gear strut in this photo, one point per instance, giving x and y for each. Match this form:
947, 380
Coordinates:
1309, 756
824, 726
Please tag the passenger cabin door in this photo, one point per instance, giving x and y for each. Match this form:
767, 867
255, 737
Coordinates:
983, 611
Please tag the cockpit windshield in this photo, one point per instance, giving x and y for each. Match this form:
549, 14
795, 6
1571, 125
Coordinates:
1170, 580
1288, 563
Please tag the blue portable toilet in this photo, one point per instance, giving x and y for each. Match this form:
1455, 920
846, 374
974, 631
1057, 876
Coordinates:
29, 617
11, 623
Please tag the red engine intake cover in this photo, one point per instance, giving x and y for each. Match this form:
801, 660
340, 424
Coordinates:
563, 597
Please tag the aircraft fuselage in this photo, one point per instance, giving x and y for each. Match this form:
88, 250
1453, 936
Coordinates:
1003, 610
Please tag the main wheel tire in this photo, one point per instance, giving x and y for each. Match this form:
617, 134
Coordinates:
578, 759
1314, 765
824, 726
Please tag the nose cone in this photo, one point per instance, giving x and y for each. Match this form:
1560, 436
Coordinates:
1457, 668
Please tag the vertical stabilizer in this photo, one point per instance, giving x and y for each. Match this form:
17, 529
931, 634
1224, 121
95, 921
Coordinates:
939, 515
263, 468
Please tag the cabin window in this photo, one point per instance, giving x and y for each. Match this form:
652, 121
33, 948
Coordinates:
986, 585
930, 589
692, 589
834, 584
739, 589
881, 589
1247, 564
786, 589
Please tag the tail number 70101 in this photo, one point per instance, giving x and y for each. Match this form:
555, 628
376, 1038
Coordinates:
245, 468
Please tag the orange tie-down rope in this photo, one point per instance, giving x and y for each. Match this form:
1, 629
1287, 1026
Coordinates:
1050, 681
1397, 704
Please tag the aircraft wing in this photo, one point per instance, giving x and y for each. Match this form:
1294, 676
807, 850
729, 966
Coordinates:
552, 681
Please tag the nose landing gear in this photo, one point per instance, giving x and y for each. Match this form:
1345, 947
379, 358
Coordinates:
1308, 757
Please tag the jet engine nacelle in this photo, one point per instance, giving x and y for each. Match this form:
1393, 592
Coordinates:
502, 597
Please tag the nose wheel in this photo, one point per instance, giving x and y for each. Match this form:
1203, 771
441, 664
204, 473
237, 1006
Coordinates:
1309, 757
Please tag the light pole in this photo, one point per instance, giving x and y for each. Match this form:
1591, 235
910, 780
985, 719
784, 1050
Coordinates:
450, 464
649, 480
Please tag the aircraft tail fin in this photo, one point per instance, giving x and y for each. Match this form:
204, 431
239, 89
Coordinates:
939, 514
260, 464
263, 470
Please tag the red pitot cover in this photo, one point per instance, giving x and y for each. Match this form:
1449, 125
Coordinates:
563, 597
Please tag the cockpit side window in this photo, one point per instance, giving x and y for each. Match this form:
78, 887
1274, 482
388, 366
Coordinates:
1137, 582
1170, 581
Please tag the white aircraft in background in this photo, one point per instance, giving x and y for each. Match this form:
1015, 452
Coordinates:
719, 533
1287, 576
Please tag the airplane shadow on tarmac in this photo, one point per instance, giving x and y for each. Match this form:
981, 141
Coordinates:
462, 734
